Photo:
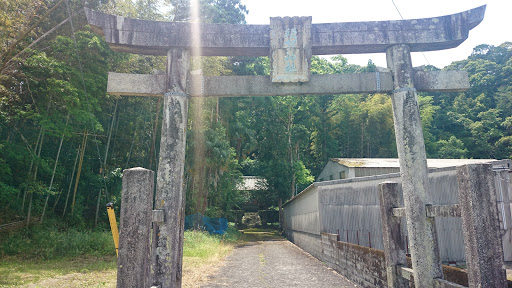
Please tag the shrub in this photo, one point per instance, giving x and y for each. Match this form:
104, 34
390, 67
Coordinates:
47, 243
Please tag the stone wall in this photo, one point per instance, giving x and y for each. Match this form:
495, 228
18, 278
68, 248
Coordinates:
361, 265
308, 242
366, 266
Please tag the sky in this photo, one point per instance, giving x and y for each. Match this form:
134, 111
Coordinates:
495, 29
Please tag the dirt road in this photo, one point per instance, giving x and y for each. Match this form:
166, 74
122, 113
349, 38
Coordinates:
274, 263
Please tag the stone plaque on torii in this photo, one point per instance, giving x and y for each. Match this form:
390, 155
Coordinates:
289, 42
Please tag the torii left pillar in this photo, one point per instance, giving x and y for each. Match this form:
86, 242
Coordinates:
167, 238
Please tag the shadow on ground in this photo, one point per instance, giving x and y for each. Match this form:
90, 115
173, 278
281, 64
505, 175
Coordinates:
252, 235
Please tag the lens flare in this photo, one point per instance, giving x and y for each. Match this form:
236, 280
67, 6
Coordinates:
198, 189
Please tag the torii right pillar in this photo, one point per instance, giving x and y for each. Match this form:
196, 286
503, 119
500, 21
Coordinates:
426, 263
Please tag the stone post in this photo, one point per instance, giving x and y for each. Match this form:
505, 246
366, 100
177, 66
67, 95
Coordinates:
167, 241
394, 246
135, 228
480, 225
413, 168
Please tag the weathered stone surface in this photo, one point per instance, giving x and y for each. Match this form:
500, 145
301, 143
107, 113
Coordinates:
290, 49
136, 84
455, 275
480, 225
405, 272
158, 216
365, 266
441, 283
362, 265
441, 81
426, 263
167, 241
236, 86
134, 233
242, 86
398, 212
443, 210
311, 243
394, 246
155, 38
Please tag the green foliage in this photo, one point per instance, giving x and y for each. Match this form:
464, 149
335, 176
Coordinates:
336, 65
504, 147
223, 11
8, 196
57, 89
451, 149
47, 242
269, 216
61, 94
478, 116
302, 174
211, 11
250, 65
427, 112
200, 244
140, 9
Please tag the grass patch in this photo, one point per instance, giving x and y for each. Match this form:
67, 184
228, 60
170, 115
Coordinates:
203, 252
202, 245
53, 257
87, 259
259, 234
47, 257
47, 243
15, 272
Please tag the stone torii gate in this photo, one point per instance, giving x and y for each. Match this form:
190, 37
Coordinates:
289, 42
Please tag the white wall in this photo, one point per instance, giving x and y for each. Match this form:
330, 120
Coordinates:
352, 205
333, 169
301, 213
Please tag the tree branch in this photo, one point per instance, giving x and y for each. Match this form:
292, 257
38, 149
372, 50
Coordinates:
42, 37
11, 48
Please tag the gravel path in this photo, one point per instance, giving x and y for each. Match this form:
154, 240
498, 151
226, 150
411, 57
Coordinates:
277, 263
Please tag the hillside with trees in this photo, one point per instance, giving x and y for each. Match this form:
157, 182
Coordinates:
64, 141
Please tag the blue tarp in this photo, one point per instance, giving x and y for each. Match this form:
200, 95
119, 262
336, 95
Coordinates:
212, 225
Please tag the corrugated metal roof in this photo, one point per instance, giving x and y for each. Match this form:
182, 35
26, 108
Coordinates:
251, 183
393, 162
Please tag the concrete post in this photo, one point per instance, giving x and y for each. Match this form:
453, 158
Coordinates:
480, 225
504, 193
167, 241
135, 228
413, 168
394, 246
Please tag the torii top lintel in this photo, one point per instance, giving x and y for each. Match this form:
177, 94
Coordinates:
156, 38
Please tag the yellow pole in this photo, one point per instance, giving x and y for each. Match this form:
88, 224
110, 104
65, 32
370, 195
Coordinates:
113, 225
